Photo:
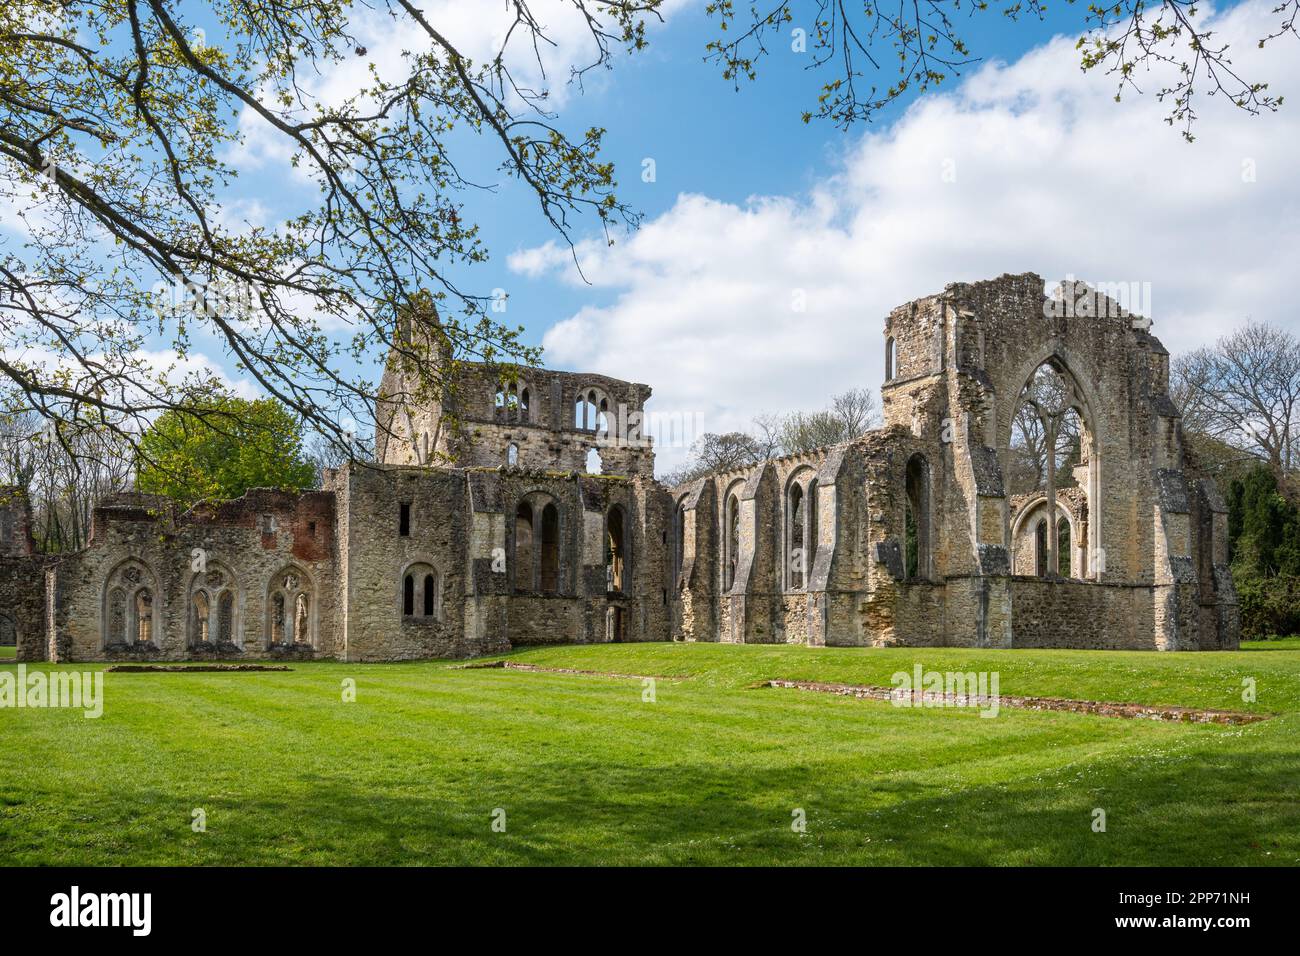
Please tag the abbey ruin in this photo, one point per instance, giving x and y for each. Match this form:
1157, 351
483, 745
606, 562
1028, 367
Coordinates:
910, 535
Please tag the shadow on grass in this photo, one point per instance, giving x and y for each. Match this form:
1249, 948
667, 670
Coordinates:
1199, 801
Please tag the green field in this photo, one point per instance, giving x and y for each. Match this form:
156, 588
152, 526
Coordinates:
711, 771
8, 652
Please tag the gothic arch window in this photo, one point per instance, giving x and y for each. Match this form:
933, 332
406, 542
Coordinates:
131, 606
616, 563
591, 411
1052, 447
800, 529
891, 358
512, 454
421, 592
917, 506
212, 606
595, 464
796, 513
291, 609
731, 541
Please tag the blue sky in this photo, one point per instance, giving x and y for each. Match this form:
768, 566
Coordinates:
772, 250
669, 105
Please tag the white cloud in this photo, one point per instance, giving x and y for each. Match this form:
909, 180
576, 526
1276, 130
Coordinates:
1051, 176
477, 30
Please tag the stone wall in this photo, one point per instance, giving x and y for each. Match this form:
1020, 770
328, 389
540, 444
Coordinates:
479, 529
22, 580
264, 545
1147, 564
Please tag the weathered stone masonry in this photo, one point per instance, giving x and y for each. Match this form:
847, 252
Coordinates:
814, 548
473, 537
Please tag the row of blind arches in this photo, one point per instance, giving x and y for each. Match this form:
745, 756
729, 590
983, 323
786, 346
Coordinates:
132, 612
537, 546
800, 530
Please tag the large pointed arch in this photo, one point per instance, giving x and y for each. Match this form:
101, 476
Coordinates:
1076, 399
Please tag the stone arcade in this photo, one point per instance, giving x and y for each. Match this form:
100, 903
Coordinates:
905, 536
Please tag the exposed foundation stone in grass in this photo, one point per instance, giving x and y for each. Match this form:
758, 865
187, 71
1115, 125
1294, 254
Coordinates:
538, 669
191, 668
1099, 708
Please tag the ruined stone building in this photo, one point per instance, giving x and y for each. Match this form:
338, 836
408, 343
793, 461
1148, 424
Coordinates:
912, 534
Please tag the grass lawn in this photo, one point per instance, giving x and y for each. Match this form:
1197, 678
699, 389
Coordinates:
710, 772
8, 652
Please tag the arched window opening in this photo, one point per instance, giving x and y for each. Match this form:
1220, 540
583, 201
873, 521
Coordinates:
277, 618
615, 552
225, 618
1040, 548
500, 399
1063, 540
550, 556
524, 547
116, 617
810, 508
917, 518
212, 607
301, 609
595, 466
732, 539
891, 357
130, 605
290, 611
512, 455
201, 617
591, 411
523, 405
420, 592
602, 418
679, 543
144, 616
795, 542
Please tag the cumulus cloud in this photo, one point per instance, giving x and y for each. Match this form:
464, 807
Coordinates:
777, 303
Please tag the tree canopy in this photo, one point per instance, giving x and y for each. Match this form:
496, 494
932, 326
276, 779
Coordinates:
254, 444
